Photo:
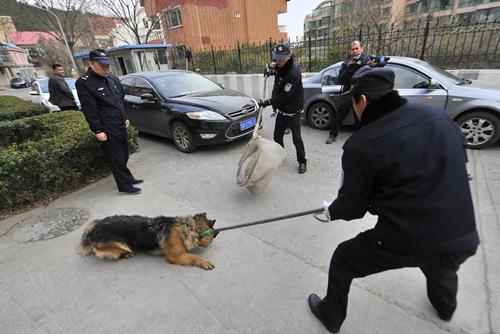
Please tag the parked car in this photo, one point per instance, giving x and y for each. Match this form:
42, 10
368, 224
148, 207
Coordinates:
19, 83
473, 104
188, 108
40, 93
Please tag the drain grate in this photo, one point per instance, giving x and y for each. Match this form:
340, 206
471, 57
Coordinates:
49, 225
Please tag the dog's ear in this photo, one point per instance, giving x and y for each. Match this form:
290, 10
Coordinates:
211, 223
204, 214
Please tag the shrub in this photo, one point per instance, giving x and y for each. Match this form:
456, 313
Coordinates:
62, 160
20, 130
12, 107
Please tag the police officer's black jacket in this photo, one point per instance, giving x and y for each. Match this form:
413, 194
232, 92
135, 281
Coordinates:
406, 164
102, 102
347, 71
288, 93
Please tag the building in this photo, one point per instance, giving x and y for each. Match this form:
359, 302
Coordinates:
30, 40
14, 63
201, 24
149, 30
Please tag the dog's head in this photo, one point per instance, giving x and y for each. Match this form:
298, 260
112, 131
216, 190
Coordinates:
202, 223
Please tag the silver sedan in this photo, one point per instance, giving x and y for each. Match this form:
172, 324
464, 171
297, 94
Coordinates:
473, 104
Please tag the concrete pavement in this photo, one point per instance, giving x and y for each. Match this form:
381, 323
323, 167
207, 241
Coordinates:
263, 274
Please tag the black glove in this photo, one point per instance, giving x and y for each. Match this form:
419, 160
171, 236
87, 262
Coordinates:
265, 103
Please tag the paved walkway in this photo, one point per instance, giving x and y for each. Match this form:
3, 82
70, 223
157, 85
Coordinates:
263, 274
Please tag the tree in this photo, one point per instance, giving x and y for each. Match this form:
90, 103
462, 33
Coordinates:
133, 20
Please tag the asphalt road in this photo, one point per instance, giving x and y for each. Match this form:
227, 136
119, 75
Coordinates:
263, 274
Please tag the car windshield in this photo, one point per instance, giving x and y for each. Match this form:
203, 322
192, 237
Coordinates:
182, 84
17, 80
448, 75
44, 84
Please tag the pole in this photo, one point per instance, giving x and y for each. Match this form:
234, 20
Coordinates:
63, 36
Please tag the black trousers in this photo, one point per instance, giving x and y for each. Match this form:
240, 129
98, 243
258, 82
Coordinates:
73, 107
293, 122
116, 149
343, 105
362, 256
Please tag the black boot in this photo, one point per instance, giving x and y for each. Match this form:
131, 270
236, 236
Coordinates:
302, 167
314, 304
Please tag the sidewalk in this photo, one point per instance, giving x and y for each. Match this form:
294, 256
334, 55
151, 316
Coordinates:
262, 274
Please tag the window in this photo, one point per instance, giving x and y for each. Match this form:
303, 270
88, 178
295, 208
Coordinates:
330, 77
143, 87
128, 85
173, 17
405, 78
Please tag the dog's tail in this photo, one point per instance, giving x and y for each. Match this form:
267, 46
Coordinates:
84, 248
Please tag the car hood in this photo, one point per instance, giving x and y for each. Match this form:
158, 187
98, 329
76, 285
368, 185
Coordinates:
222, 101
477, 89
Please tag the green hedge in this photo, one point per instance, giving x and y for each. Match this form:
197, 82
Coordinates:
63, 159
12, 107
20, 130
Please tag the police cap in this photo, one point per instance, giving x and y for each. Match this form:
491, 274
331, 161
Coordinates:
101, 56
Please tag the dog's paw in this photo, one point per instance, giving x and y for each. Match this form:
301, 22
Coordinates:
128, 255
207, 265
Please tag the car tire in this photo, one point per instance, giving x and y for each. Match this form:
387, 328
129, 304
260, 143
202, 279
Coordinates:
480, 128
320, 115
182, 137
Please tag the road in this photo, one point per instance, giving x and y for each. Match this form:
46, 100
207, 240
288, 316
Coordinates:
263, 274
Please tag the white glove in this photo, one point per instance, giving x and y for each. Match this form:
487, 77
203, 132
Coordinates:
326, 205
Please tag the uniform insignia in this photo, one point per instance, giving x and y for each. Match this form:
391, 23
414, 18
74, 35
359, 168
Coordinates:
102, 88
85, 77
280, 49
288, 87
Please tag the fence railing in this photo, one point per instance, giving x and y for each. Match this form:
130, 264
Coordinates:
448, 45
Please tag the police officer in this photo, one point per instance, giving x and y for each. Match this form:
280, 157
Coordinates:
405, 164
101, 96
351, 64
287, 99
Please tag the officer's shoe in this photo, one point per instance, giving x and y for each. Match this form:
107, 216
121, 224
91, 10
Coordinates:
331, 139
302, 167
314, 304
137, 181
131, 191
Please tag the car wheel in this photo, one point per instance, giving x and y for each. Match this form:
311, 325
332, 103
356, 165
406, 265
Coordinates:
481, 129
320, 115
182, 138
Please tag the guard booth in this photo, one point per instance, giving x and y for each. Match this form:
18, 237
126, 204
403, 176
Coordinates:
139, 58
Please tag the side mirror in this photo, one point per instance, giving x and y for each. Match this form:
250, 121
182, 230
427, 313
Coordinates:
34, 92
148, 97
336, 89
434, 84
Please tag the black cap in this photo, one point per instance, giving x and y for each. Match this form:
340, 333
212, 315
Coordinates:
101, 56
281, 51
371, 79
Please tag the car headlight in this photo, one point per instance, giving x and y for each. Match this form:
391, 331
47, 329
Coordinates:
205, 115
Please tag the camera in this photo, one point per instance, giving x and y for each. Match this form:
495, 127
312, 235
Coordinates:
379, 61
355, 62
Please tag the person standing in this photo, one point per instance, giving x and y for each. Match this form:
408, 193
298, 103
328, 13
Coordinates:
101, 96
287, 99
406, 164
351, 64
60, 93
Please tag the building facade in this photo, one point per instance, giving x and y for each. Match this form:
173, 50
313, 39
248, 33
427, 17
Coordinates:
201, 24
150, 31
14, 63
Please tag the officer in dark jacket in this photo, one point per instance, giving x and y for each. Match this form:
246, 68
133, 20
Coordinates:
287, 99
351, 64
60, 93
101, 96
405, 164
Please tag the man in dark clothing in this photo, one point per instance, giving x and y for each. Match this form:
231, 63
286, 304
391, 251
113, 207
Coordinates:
351, 64
405, 164
101, 95
287, 99
60, 93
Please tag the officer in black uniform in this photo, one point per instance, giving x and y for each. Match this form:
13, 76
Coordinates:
101, 96
287, 99
405, 164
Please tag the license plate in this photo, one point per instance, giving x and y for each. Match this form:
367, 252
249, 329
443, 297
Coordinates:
248, 123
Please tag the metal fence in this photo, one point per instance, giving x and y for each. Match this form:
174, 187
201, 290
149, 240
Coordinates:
448, 45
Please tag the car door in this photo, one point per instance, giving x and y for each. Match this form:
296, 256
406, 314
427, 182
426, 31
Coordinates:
130, 98
148, 112
416, 87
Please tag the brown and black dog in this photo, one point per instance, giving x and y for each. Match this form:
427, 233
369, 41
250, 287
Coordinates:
121, 236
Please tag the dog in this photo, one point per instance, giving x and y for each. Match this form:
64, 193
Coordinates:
118, 237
